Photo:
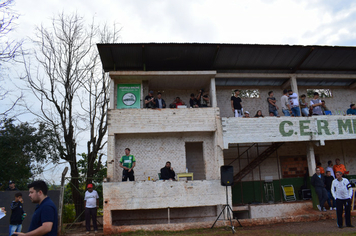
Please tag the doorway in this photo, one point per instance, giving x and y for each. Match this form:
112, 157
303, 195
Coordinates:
195, 159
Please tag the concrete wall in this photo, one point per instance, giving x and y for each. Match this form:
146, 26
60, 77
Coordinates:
119, 197
153, 150
280, 210
341, 100
163, 120
288, 129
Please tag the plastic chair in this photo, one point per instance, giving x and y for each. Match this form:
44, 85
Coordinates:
288, 192
159, 175
328, 113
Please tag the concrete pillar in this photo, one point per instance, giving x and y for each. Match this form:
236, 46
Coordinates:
293, 84
311, 168
111, 160
311, 158
112, 94
212, 93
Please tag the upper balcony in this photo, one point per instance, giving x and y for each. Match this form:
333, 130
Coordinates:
288, 129
123, 121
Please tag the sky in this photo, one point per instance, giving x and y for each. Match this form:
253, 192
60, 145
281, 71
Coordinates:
299, 22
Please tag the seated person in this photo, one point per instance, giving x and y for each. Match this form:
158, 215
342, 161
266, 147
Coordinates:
304, 105
177, 102
159, 101
246, 114
259, 114
323, 107
203, 98
193, 102
150, 100
351, 110
167, 172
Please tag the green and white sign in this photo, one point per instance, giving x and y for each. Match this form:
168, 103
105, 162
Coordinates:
128, 96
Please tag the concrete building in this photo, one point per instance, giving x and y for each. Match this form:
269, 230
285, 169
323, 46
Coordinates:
281, 148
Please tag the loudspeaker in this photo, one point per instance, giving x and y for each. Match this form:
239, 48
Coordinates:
227, 175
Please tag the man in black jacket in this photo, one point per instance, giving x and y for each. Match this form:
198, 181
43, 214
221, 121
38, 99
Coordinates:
17, 214
167, 172
318, 181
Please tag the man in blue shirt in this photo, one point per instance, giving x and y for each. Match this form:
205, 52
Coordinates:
351, 110
45, 218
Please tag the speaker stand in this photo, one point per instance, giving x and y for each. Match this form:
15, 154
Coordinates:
229, 214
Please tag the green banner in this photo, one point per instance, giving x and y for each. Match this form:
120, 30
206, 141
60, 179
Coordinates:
128, 96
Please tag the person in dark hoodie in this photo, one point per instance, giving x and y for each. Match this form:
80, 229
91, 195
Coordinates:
17, 214
318, 181
167, 172
328, 182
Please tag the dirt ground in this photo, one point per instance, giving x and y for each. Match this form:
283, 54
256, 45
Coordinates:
315, 228
324, 227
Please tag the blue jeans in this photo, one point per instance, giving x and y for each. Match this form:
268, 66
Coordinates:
286, 112
331, 198
305, 111
295, 111
14, 228
275, 112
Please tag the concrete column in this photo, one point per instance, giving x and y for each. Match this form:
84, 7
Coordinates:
112, 94
311, 159
111, 160
212, 93
293, 84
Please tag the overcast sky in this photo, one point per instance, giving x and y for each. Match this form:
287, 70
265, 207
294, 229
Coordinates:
300, 22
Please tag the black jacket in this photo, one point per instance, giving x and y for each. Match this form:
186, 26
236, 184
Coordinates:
167, 173
328, 182
16, 213
317, 182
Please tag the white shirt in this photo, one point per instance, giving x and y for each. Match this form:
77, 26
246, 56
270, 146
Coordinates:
331, 171
339, 189
293, 100
91, 197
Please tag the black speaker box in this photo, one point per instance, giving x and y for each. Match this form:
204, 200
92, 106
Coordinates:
227, 175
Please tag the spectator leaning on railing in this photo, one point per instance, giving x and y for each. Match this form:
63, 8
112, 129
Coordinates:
351, 110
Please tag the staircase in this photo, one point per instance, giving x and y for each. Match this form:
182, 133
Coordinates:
258, 160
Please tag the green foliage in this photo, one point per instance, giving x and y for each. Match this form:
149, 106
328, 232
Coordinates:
68, 213
23, 150
323, 93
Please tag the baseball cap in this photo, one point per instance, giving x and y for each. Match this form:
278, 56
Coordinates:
90, 186
11, 182
247, 112
151, 92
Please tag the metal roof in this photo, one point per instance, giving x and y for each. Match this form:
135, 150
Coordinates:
227, 57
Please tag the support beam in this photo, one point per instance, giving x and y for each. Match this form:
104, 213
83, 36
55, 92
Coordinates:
283, 75
311, 158
112, 94
212, 96
293, 84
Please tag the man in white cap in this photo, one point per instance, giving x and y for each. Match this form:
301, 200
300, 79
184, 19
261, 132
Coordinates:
246, 114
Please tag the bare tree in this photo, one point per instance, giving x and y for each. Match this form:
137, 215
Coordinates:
73, 90
9, 49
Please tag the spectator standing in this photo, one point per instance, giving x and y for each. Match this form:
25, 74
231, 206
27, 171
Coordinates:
285, 104
177, 102
203, 98
339, 167
322, 171
351, 110
127, 163
316, 104
342, 192
323, 107
294, 103
91, 203
45, 218
259, 114
150, 100
167, 172
328, 182
304, 105
318, 181
193, 102
159, 101
17, 214
11, 187
330, 168
236, 104
272, 107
